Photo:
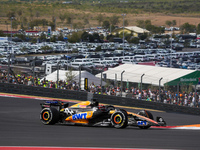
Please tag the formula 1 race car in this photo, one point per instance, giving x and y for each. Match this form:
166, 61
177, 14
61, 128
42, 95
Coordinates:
92, 114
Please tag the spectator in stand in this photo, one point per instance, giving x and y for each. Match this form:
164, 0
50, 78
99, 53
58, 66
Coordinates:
186, 99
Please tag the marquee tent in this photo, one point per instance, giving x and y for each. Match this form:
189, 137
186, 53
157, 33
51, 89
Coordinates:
152, 74
84, 74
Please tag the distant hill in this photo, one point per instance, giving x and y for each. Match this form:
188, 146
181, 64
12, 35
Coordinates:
89, 13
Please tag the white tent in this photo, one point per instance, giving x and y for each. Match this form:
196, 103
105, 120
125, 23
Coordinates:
84, 74
152, 74
137, 29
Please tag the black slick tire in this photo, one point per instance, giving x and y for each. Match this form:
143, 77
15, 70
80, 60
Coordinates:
49, 116
119, 119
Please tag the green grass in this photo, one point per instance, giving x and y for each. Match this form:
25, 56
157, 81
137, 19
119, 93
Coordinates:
89, 9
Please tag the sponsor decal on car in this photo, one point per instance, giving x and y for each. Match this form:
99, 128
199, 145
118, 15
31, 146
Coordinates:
142, 123
79, 116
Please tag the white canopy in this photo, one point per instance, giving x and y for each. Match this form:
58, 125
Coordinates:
137, 29
84, 74
152, 74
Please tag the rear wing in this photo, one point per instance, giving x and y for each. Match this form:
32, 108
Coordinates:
54, 103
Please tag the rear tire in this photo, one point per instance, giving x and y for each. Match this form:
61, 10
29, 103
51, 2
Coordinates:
49, 116
119, 119
145, 114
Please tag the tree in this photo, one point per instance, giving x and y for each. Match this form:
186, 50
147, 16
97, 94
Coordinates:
140, 23
31, 12
75, 37
147, 22
60, 37
101, 36
33, 40
15, 24
1, 33
168, 23
106, 24
43, 37
100, 18
155, 29
143, 23
85, 36
98, 49
62, 17
69, 19
37, 14
143, 36
114, 20
19, 12
134, 40
53, 38
46, 48
10, 14
44, 23
21, 36
52, 24
198, 28
96, 37
187, 28
125, 22
70, 76
173, 22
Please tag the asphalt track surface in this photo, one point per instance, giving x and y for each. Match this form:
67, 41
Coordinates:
20, 126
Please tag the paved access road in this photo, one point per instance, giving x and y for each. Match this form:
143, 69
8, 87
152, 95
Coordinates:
20, 126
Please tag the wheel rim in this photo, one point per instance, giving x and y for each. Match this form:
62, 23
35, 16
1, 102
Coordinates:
118, 119
45, 116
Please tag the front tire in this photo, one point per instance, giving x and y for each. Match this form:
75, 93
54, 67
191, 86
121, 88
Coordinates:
49, 116
119, 119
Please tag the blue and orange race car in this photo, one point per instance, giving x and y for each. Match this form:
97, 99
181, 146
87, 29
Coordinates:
92, 114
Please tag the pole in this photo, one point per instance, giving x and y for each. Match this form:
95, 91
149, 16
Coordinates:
195, 94
58, 73
141, 85
79, 77
33, 63
115, 79
171, 57
67, 63
101, 82
159, 88
121, 81
178, 93
11, 27
123, 32
8, 76
11, 38
101, 79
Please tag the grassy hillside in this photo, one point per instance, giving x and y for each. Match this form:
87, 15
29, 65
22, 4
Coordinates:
88, 13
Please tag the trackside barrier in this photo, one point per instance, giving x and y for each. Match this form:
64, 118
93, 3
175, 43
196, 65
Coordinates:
107, 99
115, 100
40, 91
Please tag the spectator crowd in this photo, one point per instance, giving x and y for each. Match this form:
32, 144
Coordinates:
190, 99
